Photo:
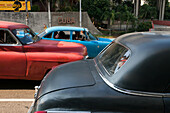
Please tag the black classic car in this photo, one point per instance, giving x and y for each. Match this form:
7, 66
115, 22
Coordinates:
131, 75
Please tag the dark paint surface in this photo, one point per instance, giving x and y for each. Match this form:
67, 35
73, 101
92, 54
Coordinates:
73, 75
95, 97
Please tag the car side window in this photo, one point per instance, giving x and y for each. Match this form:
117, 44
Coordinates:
79, 35
62, 35
6, 37
48, 35
114, 58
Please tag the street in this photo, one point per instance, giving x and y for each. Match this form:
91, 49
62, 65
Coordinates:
16, 96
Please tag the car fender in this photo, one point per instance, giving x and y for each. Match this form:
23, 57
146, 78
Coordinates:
64, 77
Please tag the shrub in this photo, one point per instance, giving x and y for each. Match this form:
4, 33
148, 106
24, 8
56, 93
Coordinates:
144, 26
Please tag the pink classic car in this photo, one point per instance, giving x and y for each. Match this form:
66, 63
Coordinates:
23, 55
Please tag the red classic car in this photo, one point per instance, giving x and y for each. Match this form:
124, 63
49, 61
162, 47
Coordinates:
23, 55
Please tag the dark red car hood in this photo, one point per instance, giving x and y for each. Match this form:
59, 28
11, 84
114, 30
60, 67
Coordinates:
56, 46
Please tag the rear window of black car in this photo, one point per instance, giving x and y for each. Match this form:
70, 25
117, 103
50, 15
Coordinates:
114, 58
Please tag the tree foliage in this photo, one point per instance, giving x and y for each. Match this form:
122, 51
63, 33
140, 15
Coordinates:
144, 26
147, 12
167, 11
98, 9
152, 3
124, 14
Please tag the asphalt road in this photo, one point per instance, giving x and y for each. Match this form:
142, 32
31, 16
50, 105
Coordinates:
16, 96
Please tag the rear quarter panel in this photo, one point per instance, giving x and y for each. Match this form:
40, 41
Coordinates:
38, 63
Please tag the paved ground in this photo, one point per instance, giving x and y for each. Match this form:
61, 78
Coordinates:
14, 107
161, 28
16, 96
16, 93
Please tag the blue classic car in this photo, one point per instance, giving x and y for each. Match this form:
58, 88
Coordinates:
76, 34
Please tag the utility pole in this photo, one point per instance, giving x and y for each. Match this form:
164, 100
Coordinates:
136, 8
49, 14
26, 12
80, 14
110, 20
161, 9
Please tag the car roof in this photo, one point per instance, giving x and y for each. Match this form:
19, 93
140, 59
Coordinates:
65, 28
138, 40
147, 68
12, 25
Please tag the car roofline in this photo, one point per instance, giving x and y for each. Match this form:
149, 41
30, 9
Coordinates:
12, 25
65, 28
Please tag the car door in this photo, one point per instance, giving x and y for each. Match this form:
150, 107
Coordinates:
12, 57
92, 46
101, 45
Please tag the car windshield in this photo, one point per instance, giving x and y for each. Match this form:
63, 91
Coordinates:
26, 35
114, 58
41, 34
91, 37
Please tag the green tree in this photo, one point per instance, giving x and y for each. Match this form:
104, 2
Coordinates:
156, 4
108, 14
130, 18
117, 1
152, 3
147, 12
144, 26
167, 11
124, 14
97, 9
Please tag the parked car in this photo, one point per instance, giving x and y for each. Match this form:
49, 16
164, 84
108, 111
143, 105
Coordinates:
76, 34
24, 55
131, 75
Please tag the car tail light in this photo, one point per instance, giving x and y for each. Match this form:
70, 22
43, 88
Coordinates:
40, 112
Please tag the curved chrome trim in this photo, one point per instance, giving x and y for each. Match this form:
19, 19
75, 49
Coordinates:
10, 45
132, 92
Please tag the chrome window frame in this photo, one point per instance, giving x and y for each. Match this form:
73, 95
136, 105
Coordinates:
122, 65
